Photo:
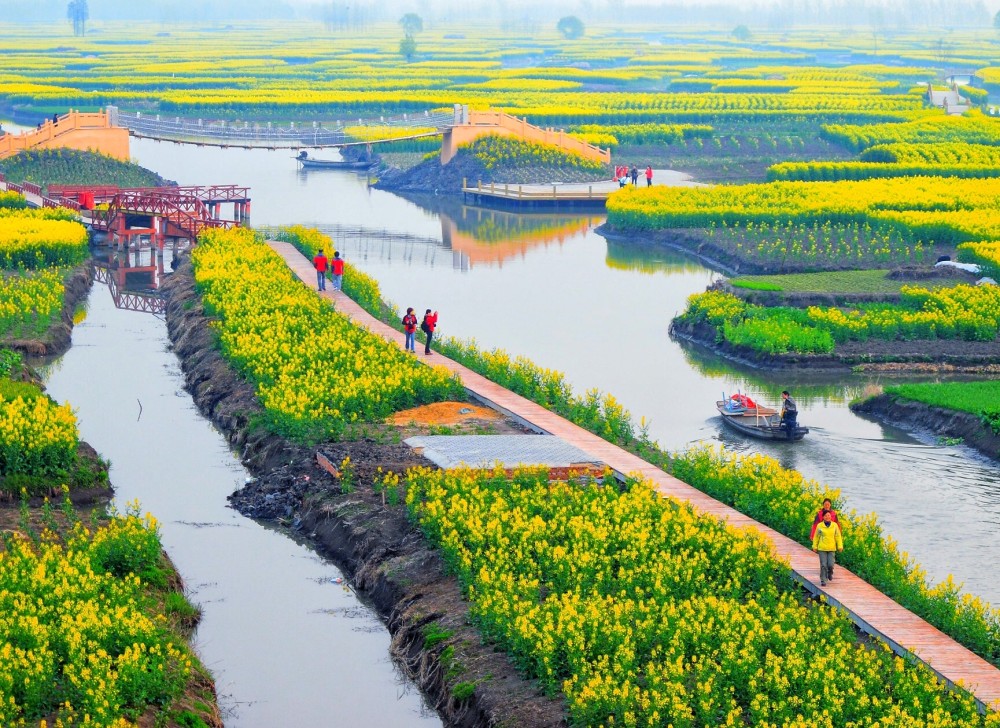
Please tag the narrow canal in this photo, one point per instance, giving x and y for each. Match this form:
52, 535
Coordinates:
283, 641
286, 644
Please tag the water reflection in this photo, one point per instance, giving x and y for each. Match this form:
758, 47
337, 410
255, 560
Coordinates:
649, 259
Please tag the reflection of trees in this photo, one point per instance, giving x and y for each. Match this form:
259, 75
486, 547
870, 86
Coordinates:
808, 388
650, 259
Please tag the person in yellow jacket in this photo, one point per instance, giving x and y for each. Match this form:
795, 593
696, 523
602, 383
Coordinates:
827, 541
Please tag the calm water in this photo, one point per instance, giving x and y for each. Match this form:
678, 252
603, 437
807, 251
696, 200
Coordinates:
286, 645
544, 286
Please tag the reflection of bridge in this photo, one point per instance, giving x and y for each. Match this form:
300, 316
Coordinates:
133, 277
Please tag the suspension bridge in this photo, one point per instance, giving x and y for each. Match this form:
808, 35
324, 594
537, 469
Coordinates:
108, 132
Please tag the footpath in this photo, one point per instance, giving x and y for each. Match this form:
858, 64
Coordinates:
871, 610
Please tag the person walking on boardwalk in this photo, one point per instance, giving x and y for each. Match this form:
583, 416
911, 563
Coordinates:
428, 325
410, 330
635, 175
789, 413
827, 542
827, 508
337, 271
649, 175
319, 263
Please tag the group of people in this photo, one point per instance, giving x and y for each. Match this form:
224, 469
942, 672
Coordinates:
428, 325
336, 267
623, 174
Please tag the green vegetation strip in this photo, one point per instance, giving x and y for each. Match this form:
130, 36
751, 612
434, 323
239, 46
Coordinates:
872, 282
978, 398
970, 313
644, 613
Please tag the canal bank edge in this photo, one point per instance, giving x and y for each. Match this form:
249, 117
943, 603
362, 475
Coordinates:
874, 355
56, 340
937, 421
384, 556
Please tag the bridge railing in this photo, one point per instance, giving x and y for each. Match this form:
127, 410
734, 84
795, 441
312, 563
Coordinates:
263, 134
49, 129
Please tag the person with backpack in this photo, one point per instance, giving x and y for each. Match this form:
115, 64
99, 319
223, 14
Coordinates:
827, 542
337, 270
427, 326
319, 263
410, 330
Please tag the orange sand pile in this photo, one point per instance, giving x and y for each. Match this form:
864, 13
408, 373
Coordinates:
444, 413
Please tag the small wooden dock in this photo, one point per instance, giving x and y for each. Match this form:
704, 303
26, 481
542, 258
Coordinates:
534, 197
871, 610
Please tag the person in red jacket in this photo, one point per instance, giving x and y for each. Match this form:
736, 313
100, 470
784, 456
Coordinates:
649, 176
337, 271
410, 329
427, 326
319, 263
827, 508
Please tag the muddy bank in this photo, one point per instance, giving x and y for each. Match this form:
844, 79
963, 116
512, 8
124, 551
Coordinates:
56, 340
384, 556
944, 355
937, 421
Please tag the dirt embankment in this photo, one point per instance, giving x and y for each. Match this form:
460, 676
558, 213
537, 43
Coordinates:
384, 556
56, 340
935, 420
941, 355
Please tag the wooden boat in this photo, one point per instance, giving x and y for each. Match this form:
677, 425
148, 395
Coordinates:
749, 418
308, 163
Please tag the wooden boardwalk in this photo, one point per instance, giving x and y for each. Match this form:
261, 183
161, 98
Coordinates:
870, 609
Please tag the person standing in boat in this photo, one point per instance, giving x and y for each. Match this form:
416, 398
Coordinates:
319, 263
337, 271
827, 508
789, 413
827, 542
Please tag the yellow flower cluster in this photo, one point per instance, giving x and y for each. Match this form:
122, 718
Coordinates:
646, 614
32, 240
80, 644
315, 371
37, 436
29, 303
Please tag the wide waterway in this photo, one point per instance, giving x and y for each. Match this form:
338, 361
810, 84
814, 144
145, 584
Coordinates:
545, 286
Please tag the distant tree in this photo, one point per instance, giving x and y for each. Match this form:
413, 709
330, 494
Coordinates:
412, 24
408, 47
78, 14
741, 33
571, 27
